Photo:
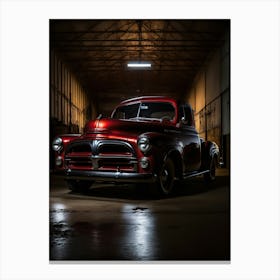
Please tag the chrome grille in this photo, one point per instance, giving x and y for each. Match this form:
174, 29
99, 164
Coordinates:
114, 148
101, 155
80, 148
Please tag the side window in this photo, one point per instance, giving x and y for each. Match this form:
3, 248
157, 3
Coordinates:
186, 114
181, 113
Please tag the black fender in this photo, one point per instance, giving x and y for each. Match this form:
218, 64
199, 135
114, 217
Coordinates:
214, 151
163, 147
177, 159
209, 150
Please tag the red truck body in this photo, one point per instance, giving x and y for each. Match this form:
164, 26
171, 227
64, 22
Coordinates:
146, 140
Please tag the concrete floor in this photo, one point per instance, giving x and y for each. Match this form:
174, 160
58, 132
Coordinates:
119, 223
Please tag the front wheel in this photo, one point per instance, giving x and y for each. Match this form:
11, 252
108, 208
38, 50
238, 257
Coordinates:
78, 186
166, 177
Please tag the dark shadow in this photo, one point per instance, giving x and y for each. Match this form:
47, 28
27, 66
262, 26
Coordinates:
197, 185
188, 187
130, 192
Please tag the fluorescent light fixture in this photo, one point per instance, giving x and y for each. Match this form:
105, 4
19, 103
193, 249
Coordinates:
139, 65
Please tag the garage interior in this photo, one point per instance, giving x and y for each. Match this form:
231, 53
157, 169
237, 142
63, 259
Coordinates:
190, 61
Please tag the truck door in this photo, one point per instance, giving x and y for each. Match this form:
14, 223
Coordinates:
190, 139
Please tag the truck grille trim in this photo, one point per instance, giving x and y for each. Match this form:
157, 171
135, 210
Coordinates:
101, 155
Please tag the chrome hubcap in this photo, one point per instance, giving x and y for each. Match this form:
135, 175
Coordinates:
164, 177
212, 169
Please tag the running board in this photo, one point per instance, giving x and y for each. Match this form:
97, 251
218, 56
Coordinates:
196, 173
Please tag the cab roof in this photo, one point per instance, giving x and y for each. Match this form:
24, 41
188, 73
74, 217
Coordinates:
148, 98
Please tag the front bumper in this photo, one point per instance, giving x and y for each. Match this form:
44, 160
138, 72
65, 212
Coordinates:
116, 177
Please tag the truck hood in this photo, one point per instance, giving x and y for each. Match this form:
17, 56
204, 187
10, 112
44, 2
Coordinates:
126, 127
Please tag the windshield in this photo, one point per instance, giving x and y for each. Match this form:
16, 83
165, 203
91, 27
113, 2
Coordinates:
146, 110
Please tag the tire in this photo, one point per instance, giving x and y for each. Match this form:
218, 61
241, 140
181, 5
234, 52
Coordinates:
166, 177
211, 175
78, 186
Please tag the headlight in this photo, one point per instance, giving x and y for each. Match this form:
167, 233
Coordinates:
58, 161
144, 162
57, 144
144, 144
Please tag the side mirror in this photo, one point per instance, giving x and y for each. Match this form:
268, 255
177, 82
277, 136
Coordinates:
181, 122
186, 114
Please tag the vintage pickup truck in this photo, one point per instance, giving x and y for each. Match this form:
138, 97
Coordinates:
147, 140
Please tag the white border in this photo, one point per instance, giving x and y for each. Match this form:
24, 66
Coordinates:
254, 129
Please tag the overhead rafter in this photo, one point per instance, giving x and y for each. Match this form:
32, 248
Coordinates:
98, 51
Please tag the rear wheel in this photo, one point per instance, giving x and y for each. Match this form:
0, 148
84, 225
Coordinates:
79, 186
166, 177
211, 175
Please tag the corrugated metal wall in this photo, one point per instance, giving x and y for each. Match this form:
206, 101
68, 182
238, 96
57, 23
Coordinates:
210, 98
70, 107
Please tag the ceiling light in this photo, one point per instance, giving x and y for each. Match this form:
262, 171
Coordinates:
139, 65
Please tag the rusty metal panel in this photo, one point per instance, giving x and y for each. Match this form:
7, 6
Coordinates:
52, 77
207, 101
191, 99
213, 78
68, 97
225, 63
226, 113
213, 114
200, 92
